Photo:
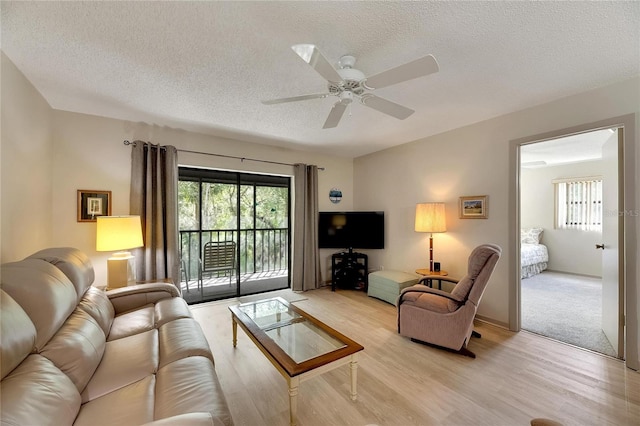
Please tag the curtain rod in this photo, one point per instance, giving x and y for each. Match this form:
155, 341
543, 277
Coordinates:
228, 156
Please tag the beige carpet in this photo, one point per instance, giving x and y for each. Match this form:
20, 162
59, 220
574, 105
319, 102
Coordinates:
565, 307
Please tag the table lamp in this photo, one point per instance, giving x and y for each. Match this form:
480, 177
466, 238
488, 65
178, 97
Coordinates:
119, 233
430, 218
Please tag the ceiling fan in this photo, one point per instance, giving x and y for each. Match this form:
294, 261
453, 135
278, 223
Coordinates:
348, 83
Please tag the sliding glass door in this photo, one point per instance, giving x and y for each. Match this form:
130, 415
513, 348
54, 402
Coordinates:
234, 233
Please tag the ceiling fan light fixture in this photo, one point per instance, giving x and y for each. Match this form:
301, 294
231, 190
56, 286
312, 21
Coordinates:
347, 61
351, 74
346, 97
346, 82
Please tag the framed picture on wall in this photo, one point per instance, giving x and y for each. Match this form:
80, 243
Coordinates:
92, 203
473, 207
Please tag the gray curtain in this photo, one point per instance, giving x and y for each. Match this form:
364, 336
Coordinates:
154, 196
306, 259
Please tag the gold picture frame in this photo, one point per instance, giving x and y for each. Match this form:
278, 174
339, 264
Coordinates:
93, 203
474, 207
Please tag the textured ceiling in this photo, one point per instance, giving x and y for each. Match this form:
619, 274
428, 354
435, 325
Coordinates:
565, 150
205, 66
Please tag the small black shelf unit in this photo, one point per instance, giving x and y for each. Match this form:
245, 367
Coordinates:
350, 270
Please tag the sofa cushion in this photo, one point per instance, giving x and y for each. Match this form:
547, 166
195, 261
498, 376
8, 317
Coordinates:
125, 361
77, 348
73, 263
96, 303
191, 419
148, 317
17, 334
130, 405
171, 309
190, 385
180, 339
133, 322
43, 292
37, 393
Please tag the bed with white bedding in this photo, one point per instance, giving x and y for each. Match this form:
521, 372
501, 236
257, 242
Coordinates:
534, 257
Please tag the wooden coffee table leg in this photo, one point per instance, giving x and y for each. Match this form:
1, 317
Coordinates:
354, 376
234, 326
294, 382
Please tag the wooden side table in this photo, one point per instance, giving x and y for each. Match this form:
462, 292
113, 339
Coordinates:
427, 272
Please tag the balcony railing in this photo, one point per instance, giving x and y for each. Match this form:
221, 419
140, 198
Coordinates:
260, 250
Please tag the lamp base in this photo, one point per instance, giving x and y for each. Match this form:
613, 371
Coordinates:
121, 270
431, 252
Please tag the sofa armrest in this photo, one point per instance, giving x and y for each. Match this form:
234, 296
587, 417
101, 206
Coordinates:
190, 419
419, 288
132, 297
438, 277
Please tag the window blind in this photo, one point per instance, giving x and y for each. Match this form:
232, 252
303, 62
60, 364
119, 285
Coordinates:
579, 203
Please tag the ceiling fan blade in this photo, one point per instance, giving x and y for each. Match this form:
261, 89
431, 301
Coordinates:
311, 55
387, 107
295, 98
335, 114
418, 68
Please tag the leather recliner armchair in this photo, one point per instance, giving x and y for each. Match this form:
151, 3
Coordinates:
436, 317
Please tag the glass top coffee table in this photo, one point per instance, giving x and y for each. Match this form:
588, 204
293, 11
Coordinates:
297, 344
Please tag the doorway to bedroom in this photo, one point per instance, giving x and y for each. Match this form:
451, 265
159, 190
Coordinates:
570, 236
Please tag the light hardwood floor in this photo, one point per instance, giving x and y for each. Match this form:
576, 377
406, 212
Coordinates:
515, 377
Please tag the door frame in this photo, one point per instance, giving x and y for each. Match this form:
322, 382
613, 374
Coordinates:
614, 332
628, 247
238, 179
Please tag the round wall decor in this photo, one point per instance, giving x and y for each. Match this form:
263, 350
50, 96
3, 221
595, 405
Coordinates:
335, 195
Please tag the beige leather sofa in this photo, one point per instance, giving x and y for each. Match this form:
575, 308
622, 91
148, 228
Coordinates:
75, 354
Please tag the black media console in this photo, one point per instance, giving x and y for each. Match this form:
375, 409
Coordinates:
350, 270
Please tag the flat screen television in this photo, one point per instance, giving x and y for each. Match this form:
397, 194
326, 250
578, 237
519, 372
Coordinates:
349, 230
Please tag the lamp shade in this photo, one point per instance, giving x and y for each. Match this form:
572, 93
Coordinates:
118, 233
430, 217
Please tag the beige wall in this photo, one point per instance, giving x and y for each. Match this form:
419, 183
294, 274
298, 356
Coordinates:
26, 167
89, 154
466, 161
472, 160
570, 250
47, 155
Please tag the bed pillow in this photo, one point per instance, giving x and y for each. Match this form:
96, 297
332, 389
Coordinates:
530, 235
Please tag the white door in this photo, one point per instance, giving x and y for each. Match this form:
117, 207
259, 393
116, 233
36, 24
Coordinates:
612, 237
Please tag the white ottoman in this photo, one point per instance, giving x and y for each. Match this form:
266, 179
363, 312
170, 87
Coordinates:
387, 285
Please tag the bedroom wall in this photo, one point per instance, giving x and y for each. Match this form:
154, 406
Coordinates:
26, 169
472, 160
570, 250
